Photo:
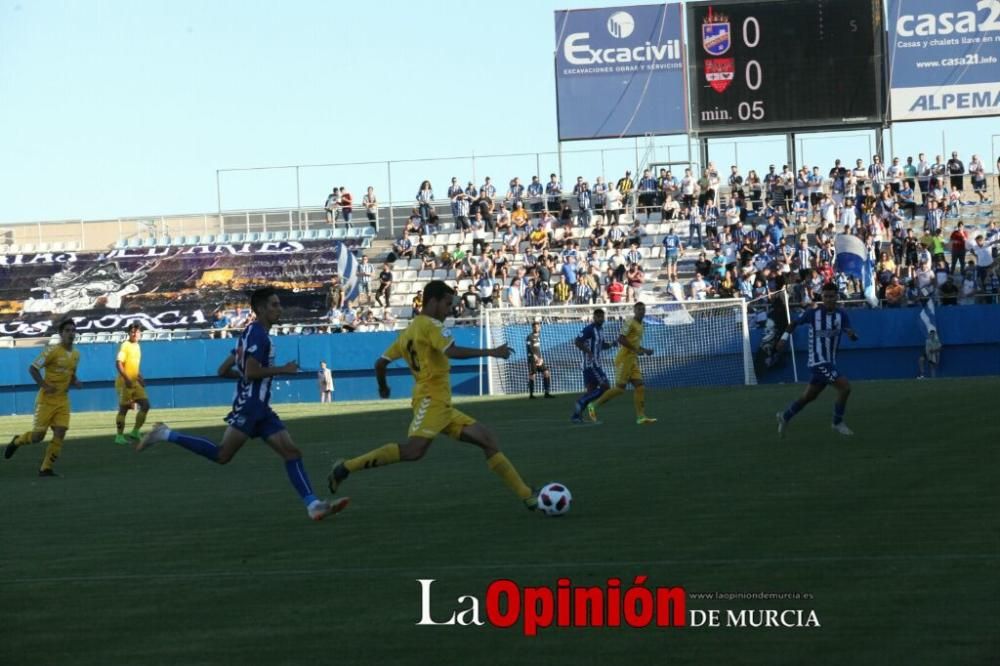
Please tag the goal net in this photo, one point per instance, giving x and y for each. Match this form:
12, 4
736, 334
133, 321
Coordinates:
703, 343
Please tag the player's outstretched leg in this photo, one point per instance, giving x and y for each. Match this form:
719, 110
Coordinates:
162, 433
386, 454
797, 405
840, 406
52, 452
316, 508
29, 437
481, 436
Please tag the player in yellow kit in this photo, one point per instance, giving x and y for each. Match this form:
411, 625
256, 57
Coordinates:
627, 368
130, 385
58, 362
426, 346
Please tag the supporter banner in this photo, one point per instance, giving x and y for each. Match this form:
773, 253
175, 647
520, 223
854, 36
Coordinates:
620, 72
181, 319
944, 58
42, 258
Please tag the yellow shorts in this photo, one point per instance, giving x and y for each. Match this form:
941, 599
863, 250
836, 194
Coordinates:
627, 370
431, 417
126, 396
51, 413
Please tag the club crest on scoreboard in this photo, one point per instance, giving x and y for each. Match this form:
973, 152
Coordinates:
715, 34
720, 72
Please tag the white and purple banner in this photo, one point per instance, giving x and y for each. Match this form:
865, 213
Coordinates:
944, 58
620, 72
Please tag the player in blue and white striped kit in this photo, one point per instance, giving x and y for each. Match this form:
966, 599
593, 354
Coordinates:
826, 325
251, 415
591, 344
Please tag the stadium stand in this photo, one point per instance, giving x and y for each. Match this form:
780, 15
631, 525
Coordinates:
193, 284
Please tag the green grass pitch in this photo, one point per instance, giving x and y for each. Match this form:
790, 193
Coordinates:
164, 558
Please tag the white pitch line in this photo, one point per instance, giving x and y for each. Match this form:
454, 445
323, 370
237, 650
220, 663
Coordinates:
200, 575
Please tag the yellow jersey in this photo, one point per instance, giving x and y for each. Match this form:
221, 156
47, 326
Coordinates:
422, 346
129, 355
633, 333
58, 366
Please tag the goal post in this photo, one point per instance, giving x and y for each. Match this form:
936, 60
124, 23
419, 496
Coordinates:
694, 343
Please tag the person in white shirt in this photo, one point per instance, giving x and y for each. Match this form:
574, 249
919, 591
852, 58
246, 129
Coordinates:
325, 380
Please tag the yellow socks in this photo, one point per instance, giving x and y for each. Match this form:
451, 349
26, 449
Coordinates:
24, 438
120, 422
383, 455
639, 399
52, 452
612, 392
503, 468
140, 418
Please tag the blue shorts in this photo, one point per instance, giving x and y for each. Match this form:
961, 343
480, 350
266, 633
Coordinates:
594, 377
823, 374
260, 423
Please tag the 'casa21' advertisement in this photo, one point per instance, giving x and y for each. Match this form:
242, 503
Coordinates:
944, 58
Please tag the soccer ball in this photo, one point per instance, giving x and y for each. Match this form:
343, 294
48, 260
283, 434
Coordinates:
554, 499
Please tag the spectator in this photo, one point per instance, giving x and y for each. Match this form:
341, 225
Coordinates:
613, 204
460, 207
977, 171
384, 285
346, 205
220, 323
403, 248
414, 224
984, 259
470, 301
325, 380
388, 319
599, 196
584, 203
949, 292
625, 186
562, 293
416, 305
647, 193
956, 170
332, 206
334, 320
365, 272
616, 290
519, 220
959, 242
370, 202
895, 293
478, 233
425, 199
931, 356
535, 198
553, 193
699, 288
634, 278
672, 247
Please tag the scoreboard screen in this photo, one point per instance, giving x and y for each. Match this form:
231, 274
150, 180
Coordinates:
780, 65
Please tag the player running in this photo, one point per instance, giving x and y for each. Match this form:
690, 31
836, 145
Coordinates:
591, 344
251, 415
627, 368
826, 324
130, 385
426, 346
52, 407
536, 364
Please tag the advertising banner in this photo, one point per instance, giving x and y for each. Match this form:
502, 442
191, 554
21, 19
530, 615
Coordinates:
944, 58
620, 72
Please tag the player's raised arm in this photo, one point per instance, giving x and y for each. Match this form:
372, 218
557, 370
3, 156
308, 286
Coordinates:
454, 351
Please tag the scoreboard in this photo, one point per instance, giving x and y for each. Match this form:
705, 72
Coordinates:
760, 65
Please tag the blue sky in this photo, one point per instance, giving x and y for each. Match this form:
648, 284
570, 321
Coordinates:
125, 108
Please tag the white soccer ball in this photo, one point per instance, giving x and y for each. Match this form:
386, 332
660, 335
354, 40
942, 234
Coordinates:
554, 499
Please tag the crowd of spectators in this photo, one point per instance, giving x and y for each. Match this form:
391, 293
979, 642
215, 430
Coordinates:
546, 244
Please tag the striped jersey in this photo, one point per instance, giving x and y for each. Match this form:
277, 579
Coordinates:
825, 329
253, 393
591, 337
